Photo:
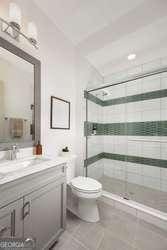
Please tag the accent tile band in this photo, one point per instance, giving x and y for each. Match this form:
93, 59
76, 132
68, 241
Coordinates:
93, 98
127, 158
93, 159
151, 128
127, 99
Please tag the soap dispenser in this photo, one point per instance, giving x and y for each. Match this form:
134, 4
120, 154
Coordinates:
38, 148
94, 129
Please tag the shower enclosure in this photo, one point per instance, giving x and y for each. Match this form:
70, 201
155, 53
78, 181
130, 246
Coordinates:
126, 137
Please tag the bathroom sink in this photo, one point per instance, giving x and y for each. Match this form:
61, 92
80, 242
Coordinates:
18, 165
2, 176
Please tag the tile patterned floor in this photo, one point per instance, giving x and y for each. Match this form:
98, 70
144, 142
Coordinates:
116, 230
144, 195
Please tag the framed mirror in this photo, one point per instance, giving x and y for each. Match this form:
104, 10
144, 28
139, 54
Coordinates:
60, 113
19, 97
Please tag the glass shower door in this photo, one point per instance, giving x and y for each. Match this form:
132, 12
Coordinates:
127, 141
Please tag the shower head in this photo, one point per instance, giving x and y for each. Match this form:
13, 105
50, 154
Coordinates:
105, 92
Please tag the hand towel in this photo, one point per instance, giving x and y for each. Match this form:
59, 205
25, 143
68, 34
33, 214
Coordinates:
16, 127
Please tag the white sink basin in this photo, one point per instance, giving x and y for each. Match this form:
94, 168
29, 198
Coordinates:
19, 165
2, 176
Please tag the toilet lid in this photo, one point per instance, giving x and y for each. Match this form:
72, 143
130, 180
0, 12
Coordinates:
86, 184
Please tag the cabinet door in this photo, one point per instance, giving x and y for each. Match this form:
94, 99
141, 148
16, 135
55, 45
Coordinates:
11, 223
44, 212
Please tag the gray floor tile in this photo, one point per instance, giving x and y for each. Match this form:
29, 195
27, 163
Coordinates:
63, 241
71, 245
73, 222
150, 238
109, 242
90, 234
116, 230
121, 225
153, 228
67, 242
105, 210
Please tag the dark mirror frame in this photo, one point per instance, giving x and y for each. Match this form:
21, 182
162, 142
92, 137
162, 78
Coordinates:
37, 92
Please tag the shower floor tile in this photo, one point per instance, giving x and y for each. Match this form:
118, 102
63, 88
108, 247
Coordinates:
116, 230
147, 196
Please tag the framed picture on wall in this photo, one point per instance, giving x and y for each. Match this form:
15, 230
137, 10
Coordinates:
59, 113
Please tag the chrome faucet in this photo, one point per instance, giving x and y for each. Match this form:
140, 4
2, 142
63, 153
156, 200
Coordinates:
13, 152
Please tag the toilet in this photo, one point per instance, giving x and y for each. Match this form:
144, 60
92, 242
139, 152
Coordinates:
82, 194
87, 190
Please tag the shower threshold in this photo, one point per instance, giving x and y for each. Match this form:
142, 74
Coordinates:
150, 197
125, 196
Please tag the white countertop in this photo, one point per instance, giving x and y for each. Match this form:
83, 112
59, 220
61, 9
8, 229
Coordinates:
12, 176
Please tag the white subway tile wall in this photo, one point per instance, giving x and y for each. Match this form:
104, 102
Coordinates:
151, 83
96, 170
95, 112
95, 145
134, 88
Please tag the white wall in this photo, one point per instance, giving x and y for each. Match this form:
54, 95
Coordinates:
87, 76
64, 74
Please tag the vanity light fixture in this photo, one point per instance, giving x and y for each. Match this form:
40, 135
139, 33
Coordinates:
131, 57
13, 26
32, 33
15, 15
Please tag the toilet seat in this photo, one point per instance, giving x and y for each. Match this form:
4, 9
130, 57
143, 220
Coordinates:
86, 185
86, 192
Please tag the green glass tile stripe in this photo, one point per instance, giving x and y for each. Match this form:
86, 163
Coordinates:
133, 98
93, 98
127, 158
93, 159
114, 129
117, 157
115, 101
136, 159
137, 98
150, 128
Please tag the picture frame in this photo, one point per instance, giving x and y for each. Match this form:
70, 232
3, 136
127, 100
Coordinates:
59, 113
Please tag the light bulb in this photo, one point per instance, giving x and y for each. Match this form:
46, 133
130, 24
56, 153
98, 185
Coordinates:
15, 15
131, 56
32, 32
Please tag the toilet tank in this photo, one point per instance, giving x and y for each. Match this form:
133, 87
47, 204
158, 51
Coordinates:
70, 172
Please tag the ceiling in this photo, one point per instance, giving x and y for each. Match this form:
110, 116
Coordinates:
106, 31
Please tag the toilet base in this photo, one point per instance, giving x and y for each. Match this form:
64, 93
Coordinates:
88, 210
85, 208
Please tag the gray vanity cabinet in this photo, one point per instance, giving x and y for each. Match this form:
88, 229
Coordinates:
44, 214
37, 208
11, 223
